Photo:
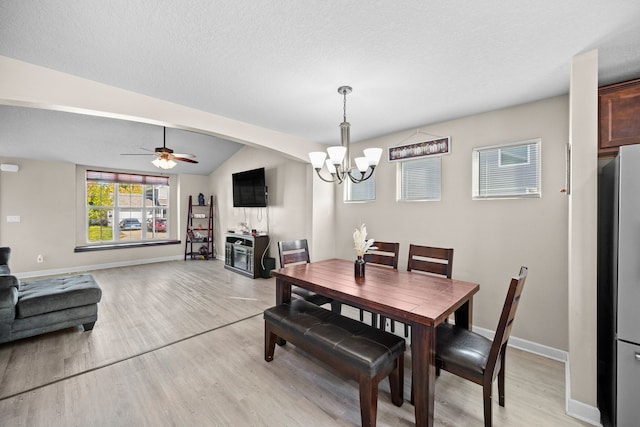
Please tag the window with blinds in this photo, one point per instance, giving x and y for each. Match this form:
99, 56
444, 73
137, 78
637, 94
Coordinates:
364, 191
420, 179
507, 171
123, 207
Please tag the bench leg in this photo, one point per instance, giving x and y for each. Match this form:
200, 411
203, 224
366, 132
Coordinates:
88, 326
269, 343
368, 401
396, 382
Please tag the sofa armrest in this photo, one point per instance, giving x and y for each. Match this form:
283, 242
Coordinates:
8, 301
8, 281
5, 251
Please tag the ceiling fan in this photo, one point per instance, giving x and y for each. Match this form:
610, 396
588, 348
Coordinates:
165, 157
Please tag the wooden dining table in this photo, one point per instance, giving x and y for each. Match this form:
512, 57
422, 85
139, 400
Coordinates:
416, 299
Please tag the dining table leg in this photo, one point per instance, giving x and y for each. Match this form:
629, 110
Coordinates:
283, 291
464, 314
423, 359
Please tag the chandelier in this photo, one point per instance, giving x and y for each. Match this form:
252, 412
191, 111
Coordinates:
339, 162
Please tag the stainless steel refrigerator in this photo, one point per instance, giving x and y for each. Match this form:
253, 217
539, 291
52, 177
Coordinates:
619, 290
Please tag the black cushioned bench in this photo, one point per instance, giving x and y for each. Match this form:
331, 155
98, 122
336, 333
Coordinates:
364, 353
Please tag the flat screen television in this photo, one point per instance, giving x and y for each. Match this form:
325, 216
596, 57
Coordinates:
249, 189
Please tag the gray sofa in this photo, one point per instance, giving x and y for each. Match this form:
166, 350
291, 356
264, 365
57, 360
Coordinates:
46, 305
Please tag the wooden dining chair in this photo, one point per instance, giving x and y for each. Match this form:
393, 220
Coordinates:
429, 260
476, 358
294, 252
386, 255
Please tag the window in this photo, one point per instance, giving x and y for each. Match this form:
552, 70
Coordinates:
511, 170
362, 191
420, 179
124, 207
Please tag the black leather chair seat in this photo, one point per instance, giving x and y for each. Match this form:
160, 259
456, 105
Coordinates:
363, 347
462, 349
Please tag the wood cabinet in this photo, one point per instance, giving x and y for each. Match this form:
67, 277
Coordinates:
619, 116
243, 253
199, 238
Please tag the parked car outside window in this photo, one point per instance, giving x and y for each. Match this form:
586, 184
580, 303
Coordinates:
160, 224
130, 224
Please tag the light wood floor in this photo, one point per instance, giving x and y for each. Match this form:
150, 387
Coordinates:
181, 344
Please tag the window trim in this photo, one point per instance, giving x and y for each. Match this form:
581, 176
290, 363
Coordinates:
475, 181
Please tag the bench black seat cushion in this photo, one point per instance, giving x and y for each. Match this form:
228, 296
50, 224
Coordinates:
312, 297
363, 347
60, 293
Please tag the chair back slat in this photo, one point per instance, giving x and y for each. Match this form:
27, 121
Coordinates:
293, 252
386, 253
431, 260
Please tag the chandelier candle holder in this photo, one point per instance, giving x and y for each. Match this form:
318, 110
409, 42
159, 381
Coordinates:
339, 162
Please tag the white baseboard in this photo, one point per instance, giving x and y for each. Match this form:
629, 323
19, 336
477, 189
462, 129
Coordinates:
528, 346
573, 408
84, 268
577, 409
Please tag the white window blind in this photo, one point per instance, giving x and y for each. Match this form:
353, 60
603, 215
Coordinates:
511, 170
420, 179
362, 191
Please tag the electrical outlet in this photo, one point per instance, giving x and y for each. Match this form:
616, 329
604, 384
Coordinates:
40, 258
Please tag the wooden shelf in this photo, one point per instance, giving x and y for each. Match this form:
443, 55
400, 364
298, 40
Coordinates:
199, 236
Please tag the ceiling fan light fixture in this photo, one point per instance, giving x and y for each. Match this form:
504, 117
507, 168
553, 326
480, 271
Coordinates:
163, 163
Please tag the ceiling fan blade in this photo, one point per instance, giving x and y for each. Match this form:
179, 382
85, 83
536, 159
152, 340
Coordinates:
188, 156
149, 153
164, 152
184, 159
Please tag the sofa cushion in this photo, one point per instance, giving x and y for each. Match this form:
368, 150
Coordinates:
48, 295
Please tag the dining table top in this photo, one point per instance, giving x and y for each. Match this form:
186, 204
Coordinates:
409, 297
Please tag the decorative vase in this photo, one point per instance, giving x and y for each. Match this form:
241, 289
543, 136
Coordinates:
358, 267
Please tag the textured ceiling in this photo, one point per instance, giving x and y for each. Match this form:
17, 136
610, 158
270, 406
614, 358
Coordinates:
278, 64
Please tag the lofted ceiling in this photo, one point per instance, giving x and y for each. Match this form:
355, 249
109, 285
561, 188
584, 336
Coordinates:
278, 65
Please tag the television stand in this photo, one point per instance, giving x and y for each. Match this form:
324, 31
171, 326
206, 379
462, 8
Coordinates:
243, 253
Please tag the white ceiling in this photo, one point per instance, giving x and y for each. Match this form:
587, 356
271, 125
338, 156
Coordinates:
278, 64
